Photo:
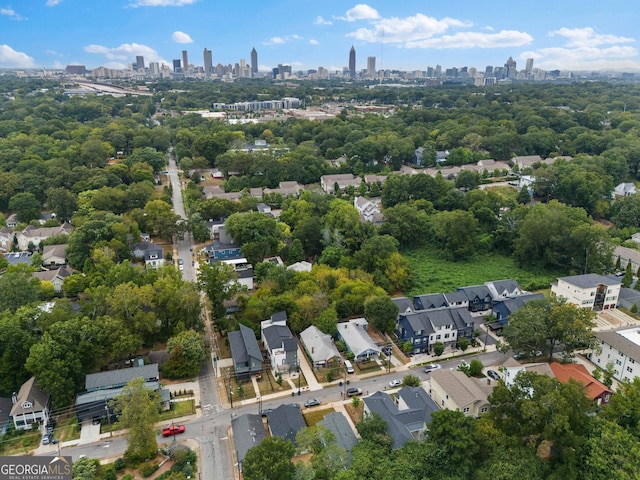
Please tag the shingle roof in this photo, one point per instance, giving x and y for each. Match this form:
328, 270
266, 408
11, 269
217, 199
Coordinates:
356, 337
244, 345
319, 345
404, 304
286, 421
278, 336
248, 431
30, 392
338, 424
480, 291
620, 343
429, 301
462, 389
118, 378
455, 297
590, 280
502, 288
564, 372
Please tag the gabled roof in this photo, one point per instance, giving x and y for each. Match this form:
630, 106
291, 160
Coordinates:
286, 421
460, 388
319, 345
49, 251
455, 297
30, 392
248, 431
590, 280
118, 378
594, 388
502, 288
429, 301
479, 291
404, 305
279, 336
357, 338
339, 426
50, 275
620, 342
428, 320
513, 304
280, 316
244, 345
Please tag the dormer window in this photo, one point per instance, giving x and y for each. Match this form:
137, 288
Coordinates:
27, 405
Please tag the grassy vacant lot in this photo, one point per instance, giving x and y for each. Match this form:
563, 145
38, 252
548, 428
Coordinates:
314, 416
434, 274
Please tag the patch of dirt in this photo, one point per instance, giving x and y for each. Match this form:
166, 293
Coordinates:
356, 414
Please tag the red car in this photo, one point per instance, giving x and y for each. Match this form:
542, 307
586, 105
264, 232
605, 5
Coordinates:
172, 430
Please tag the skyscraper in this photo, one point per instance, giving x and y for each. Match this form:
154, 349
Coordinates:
176, 66
254, 62
185, 61
371, 66
140, 62
352, 62
529, 67
208, 62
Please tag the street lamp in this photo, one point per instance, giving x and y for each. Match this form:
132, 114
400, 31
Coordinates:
259, 405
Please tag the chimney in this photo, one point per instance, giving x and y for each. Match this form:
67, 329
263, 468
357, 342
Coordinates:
14, 398
312, 350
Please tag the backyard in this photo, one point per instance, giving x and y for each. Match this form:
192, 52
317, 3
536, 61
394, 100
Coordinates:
435, 274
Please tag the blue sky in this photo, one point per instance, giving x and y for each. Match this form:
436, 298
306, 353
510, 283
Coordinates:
402, 34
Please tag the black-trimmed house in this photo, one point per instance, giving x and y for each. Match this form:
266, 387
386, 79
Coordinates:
425, 327
504, 308
245, 352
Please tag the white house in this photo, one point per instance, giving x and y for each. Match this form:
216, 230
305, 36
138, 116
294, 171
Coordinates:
626, 256
588, 291
343, 180
624, 190
30, 406
622, 349
453, 390
358, 341
369, 211
243, 270
319, 346
36, 235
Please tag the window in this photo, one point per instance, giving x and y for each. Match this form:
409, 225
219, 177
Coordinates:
443, 403
631, 360
465, 409
447, 396
484, 409
618, 362
629, 369
446, 335
438, 337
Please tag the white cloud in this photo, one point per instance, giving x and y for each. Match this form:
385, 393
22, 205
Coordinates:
585, 49
401, 30
125, 53
161, 3
313, 41
616, 57
586, 37
10, 12
52, 3
9, 58
504, 38
282, 40
322, 21
181, 37
362, 11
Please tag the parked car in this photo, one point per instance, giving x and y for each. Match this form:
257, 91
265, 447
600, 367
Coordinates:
387, 351
433, 366
312, 403
395, 383
265, 411
181, 264
351, 391
297, 405
46, 438
172, 430
493, 374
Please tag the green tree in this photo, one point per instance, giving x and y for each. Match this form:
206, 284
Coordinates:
610, 452
19, 288
270, 460
85, 469
26, 206
411, 381
217, 281
624, 407
138, 408
161, 219
62, 202
627, 280
456, 233
16, 338
463, 343
475, 368
438, 349
373, 428
459, 437
186, 353
382, 313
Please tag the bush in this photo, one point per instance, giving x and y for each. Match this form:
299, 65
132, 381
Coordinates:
128, 476
110, 473
119, 464
148, 468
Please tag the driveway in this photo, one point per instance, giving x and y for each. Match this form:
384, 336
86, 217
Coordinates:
89, 433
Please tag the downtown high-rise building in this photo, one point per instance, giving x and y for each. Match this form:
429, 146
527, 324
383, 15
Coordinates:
352, 62
185, 61
208, 62
371, 66
176, 66
254, 62
139, 63
529, 66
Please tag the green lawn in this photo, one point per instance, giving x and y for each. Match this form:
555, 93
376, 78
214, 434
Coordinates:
435, 274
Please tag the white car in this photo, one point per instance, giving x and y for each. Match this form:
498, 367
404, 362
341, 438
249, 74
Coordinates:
395, 383
433, 366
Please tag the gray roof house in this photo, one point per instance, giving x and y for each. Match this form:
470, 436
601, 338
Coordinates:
430, 301
247, 358
54, 255
30, 406
338, 424
248, 431
407, 417
355, 336
120, 377
319, 346
285, 422
503, 288
404, 304
279, 342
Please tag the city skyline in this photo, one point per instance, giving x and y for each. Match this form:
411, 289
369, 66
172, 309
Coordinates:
404, 36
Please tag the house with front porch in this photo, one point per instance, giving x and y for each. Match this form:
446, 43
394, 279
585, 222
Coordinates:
281, 346
453, 390
31, 406
319, 346
357, 339
245, 352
